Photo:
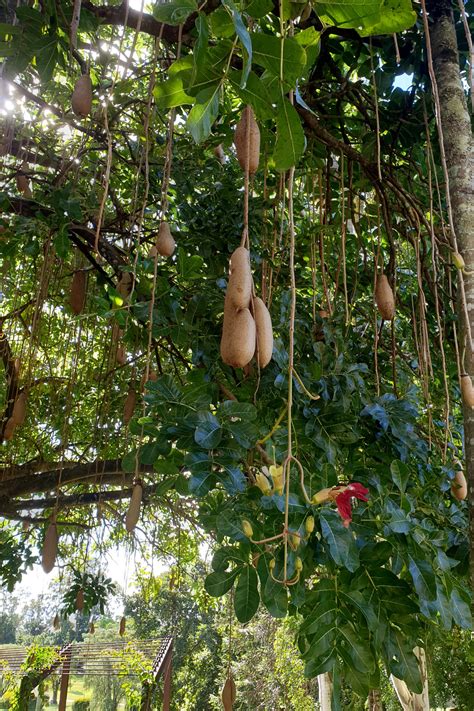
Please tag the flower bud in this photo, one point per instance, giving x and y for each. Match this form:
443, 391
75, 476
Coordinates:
309, 525
458, 261
247, 528
295, 540
272, 564
263, 484
298, 565
276, 473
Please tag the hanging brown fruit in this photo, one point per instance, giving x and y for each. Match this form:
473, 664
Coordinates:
384, 298
120, 355
129, 406
238, 337
9, 429
77, 294
247, 141
125, 284
467, 391
459, 486
82, 96
122, 625
19, 409
165, 244
22, 182
79, 603
228, 694
263, 323
91, 628
56, 622
50, 548
133, 513
239, 288
151, 377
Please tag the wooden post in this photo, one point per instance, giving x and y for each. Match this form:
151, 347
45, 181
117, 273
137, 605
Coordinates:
65, 680
167, 679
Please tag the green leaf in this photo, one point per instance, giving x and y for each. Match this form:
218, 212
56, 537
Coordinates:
369, 17
424, 578
395, 16
259, 8
172, 92
290, 138
400, 474
460, 610
342, 545
246, 598
204, 113
244, 37
174, 12
402, 662
208, 434
201, 483
255, 93
220, 582
359, 653
243, 410
267, 50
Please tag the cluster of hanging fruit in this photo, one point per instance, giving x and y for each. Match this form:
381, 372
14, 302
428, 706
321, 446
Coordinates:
247, 328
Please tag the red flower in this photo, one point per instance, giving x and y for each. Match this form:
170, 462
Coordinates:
343, 500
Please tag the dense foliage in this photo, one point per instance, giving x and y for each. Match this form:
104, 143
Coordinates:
349, 168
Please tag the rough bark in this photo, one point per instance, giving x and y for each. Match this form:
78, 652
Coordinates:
458, 143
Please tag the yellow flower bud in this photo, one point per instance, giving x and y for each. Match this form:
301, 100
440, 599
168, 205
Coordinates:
263, 484
309, 525
247, 528
276, 473
458, 261
322, 496
298, 565
272, 563
295, 540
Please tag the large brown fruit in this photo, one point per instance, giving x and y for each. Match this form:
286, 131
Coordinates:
125, 284
152, 377
247, 141
384, 298
165, 244
122, 626
238, 336
82, 96
77, 295
239, 288
129, 407
56, 622
23, 185
467, 391
9, 429
133, 513
228, 694
50, 548
19, 409
263, 323
91, 628
80, 600
459, 486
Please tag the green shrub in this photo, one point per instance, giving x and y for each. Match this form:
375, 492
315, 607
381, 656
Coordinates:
81, 705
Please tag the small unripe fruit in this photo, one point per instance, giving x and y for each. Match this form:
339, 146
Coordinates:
309, 525
298, 565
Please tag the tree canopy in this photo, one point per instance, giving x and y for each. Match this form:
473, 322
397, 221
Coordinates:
114, 346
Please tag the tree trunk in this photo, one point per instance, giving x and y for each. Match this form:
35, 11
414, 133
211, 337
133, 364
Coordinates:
375, 700
325, 691
409, 700
458, 143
